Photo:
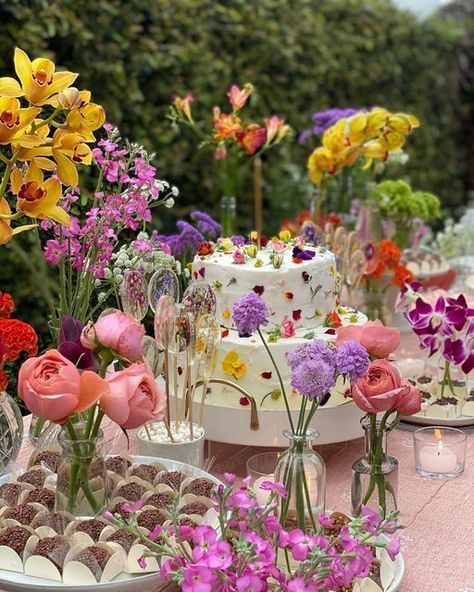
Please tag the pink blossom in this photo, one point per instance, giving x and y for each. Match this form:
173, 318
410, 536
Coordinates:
278, 246
197, 579
287, 328
142, 562
250, 583
278, 488
393, 548
238, 257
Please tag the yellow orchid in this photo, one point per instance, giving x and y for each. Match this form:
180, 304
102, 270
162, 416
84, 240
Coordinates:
320, 161
38, 154
86, 120
38, 198
233, 365
39, 80
69, 149
13, 122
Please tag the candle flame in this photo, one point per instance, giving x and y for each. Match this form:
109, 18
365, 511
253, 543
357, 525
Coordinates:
437, 433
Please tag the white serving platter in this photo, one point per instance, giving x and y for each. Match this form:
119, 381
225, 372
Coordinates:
16, 582
463, 421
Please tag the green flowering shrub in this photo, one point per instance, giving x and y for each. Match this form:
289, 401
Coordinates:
395, 199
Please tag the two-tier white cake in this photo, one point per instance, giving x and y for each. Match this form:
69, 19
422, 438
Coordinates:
299, 284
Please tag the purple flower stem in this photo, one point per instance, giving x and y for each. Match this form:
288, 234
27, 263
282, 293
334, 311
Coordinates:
285, 398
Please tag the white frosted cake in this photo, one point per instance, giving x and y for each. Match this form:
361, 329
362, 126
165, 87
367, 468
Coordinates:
300, 288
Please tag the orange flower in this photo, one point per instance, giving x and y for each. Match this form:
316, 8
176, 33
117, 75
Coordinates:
378, 271
401, 276
333, 320
6, 305
225, 126
389, 253
252, 138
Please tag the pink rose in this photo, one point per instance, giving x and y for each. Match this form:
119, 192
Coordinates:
409, 401
133, 398
287, 328
379, 389
278, 246
120, 333
378, 340
238, 257
52, 387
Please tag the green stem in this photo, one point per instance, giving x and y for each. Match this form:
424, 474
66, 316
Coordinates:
312, 411
285, 398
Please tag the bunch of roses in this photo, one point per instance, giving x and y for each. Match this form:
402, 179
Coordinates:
64, 382
240, 554
445, 326
127, 192
383, 258
15, 337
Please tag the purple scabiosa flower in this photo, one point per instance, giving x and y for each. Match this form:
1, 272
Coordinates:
205, 224
315, 350
303, 254
313, 378
352, 360
249, 313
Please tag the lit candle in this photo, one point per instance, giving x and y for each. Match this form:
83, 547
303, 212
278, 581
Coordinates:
261, 494
437, 459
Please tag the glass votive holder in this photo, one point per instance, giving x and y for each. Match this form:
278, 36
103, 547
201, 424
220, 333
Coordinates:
440, 452
261, 467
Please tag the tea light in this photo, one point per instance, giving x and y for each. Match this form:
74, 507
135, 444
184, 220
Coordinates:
261, 467
262, 495
410, 367
440, 452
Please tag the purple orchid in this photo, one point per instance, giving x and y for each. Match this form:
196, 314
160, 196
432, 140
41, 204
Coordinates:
303, 254
458, 312
70, 345
426, 319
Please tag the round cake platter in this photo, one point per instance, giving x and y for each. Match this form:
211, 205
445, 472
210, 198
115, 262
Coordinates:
232, 425
463, 421
17, 582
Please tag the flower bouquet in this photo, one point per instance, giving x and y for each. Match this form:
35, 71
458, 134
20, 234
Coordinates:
241, 552
315, 367
381, 390
234, 140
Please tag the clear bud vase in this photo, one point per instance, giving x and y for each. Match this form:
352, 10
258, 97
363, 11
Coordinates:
303, 473
82, 478
375, 475
228, 215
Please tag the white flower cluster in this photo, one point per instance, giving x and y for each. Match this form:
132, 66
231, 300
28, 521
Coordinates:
456, 239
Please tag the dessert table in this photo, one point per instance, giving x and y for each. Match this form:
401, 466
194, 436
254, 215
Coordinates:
438, 538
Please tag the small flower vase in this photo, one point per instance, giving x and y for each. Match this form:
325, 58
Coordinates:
303, 473
375, 475
82, 478
11, 431
228, 215
37, 428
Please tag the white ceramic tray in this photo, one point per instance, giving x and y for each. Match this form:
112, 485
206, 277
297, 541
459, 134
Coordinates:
17, 582
460, 422
232, 425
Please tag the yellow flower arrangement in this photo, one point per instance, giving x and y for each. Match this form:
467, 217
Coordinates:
27, 149
233, 365
371, 135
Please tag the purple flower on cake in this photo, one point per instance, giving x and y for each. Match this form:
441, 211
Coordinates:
315, 350
249, 313
303, 254
352, 360
313, 378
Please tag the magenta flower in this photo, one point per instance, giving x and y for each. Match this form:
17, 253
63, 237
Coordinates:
197, 579
133, 507
219, 555
393, 548
277, 488
426, 319
299, 584
250, 583
142, 562
300, 544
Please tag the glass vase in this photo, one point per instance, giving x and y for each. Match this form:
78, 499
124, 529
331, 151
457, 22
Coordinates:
82, 478
303, 472
228, 215
11, 431
375, 475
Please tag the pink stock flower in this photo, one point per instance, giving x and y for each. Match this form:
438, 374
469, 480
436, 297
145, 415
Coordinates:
300, 544
133, 506
121, 334
378, 340
278, 488
197, 579
393, 548
298, 584
379, 389
250, 583
133, 398
239, 96
53, 388
287, 328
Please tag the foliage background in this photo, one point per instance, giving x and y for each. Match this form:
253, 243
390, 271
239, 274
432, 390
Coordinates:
302, 55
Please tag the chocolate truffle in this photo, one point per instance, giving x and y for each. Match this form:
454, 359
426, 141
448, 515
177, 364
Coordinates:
161, 500
150, 518
95, 558
132, 492
187, 522
15, 537
145, 472
10, 492
201, 486
55, 520
35, 477
173, 479
194, 508
53, 548
42, 495
23, 513
117, 464
49, 458
92, 527
124, 538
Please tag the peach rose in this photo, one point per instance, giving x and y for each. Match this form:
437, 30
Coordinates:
118, 332
379, 389
409, 401
53, 388
378, 340
134, 397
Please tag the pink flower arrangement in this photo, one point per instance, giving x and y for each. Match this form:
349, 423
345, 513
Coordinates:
118, 332
378, 340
